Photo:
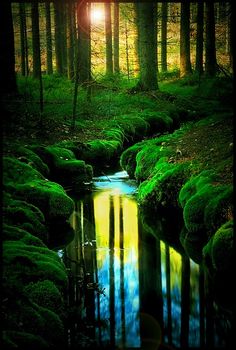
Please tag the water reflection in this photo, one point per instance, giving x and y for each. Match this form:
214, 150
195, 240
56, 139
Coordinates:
142, 292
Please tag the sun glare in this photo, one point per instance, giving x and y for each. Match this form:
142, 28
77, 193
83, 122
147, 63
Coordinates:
97, 15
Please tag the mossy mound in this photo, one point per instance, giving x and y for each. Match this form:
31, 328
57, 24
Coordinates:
48, 196
218, 255
159, 122
27, 263
17, 172
13, 233
23, 340
29, 157
26, 216
128, 158
195, 207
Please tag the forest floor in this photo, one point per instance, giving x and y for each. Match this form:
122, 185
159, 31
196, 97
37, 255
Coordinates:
210, 144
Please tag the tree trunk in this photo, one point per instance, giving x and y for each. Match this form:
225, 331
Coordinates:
127, 50
116, 37
210, 49
108, 32
185, 63
164, 10
58, 41
22, 38
36, 41
70, 41
83, 43
199, 41
7, 52
147, 45
48, 38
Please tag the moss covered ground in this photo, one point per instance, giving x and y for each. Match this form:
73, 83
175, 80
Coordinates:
177, 143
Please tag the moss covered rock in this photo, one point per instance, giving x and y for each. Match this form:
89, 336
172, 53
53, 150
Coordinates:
48, 196
14, 233
128, 158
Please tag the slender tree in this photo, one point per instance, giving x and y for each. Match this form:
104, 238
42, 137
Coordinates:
22, 38
70, 40
48, 37
116, 37
108, 33
147, 45
164, 10
185, 63
199, 41
7, 53
58, 41
210, 49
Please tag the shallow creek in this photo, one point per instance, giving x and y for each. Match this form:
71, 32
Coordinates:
138, 291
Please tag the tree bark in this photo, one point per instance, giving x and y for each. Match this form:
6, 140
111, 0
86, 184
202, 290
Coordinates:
48, 38
147, 45
58, 41
164, 10
108, 33
185, 63
199, 41
116, 37
22, 38
36, 41
70, 41
210, 49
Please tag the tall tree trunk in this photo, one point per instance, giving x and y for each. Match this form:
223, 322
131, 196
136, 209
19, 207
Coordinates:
36, 53
7, 51
48, 37
147, 45
164, 10
199, 41
22, 37
70, 41
185, 63
108, 32
36, 41
127, 50
210, 49
63, 35
58, 41
116, 37
83, 43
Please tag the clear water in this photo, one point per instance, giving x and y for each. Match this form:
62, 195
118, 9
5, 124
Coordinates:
140, 292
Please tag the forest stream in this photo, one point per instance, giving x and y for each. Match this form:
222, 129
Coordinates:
140, 292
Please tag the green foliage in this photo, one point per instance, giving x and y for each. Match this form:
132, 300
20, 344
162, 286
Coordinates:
13, 233
128, 158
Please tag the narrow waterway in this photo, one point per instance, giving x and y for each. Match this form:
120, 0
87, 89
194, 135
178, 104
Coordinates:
139, 292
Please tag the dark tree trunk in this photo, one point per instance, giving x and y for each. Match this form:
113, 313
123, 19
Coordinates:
70, 40
199, 41
22, 38
83, 47
108, 32
164, 10
58, 40
116, 37
48, 38
36, 41
185, 63
7, 52
147, 45
210, 49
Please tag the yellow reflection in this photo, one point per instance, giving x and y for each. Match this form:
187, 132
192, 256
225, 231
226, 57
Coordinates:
130, 212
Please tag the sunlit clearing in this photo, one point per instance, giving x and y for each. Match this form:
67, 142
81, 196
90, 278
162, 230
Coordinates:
97, 15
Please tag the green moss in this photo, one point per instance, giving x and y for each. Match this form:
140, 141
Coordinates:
101, 150
13, 233
220, 249
147, 158
194, 184
23, 340
133, 126
115, 134
45, 294
128, 158
48, 196
29, 157
219, 209
28, 263
24, 215
195, 207
158, 121
15, 172
53, 330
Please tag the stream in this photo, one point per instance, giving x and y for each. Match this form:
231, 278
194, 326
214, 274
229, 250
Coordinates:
129, 288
